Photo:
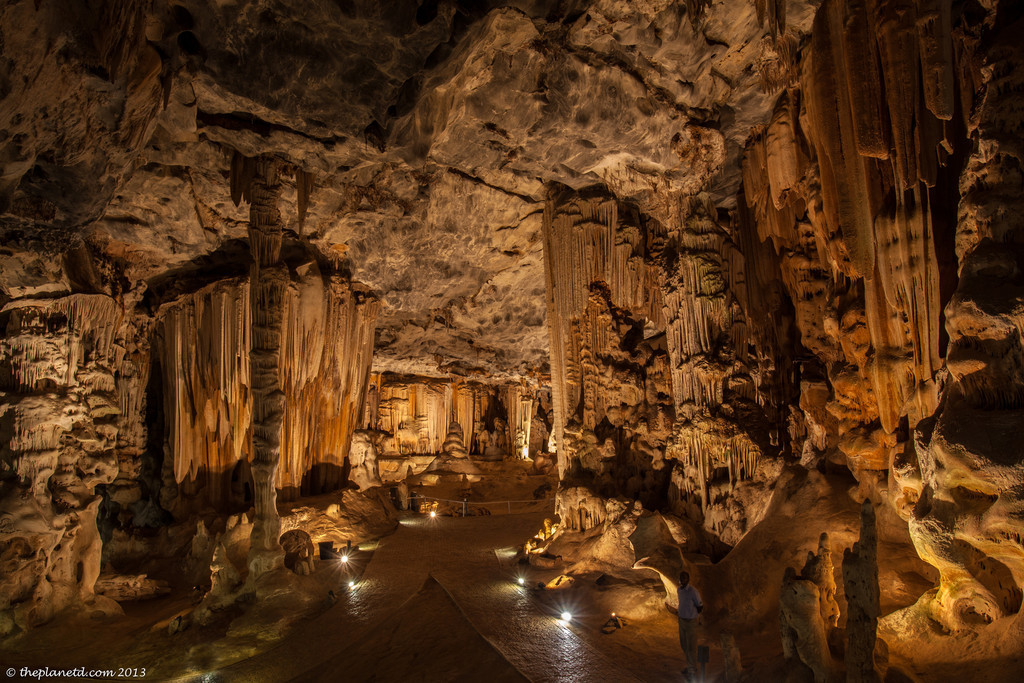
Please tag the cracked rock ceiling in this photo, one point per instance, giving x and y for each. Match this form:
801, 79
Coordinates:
433, 131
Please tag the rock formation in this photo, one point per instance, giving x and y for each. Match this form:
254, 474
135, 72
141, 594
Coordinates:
453, 445
860, 578
65, 363
269, 279
700, 260
808, 611
363, 460
417, 415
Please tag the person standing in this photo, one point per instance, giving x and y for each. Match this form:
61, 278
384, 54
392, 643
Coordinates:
690, 607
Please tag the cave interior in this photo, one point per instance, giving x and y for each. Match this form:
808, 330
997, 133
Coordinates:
424, 338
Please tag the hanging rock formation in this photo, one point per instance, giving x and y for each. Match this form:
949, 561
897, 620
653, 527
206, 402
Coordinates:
204, 347
843, 186
651, 382
417, 415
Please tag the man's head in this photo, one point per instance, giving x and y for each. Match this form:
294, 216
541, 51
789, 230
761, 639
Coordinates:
684, 579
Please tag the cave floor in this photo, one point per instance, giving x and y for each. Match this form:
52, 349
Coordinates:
439, 601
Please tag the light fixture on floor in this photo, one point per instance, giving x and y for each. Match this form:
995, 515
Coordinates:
433, 513
522, 581
351, 584
566, 617
344, 559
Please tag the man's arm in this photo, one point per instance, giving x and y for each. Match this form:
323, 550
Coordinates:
697, 602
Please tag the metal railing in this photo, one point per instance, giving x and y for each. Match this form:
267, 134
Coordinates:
465, 503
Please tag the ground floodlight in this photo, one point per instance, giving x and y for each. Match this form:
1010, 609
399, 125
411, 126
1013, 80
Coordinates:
566, 616
522, 581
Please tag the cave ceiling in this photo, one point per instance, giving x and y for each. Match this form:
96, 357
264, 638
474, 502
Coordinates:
432, 132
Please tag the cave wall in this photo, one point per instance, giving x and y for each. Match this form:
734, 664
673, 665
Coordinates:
903, 294
968, 520
71, 374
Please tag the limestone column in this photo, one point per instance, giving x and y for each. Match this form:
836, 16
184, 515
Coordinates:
860, 577
268, 284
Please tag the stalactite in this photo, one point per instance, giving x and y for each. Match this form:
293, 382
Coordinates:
304, 181
590, 240
464, 409
936, 48
844, 186
326, 351
519, 403
204, 351
243, 171
871, 124
863, 81
772, 12
894, 21
418, 411
326, 343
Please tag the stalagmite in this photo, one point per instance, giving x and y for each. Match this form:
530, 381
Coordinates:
363, 458
860, 578
453, 442
803, 630
809, 611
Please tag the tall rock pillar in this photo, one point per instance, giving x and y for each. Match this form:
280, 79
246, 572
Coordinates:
269, 282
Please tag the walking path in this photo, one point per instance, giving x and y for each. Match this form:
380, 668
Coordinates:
464, 556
